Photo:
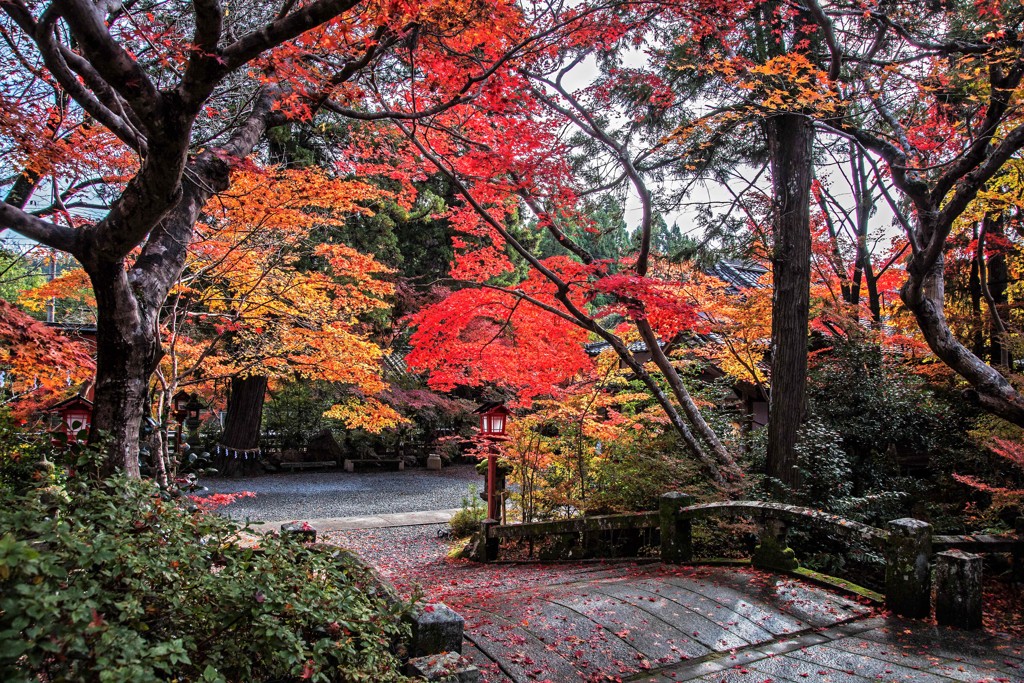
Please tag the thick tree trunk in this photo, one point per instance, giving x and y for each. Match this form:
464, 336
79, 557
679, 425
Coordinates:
245, 413
924, 293
790, 140
128, 302
241, 437
128, 351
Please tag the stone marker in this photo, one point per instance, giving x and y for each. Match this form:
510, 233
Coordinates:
958, 589
435, 629
300, 530
434, 462
907, 571
449, 667
773, 551
676, 532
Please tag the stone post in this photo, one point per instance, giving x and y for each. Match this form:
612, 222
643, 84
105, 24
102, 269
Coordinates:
907, 570
299, 530
958, 589
773, 551
491, 545
434, 462
676, 532
435, 629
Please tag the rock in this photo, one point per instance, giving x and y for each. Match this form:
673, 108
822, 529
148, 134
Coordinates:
449, 667
300, 530
323, 447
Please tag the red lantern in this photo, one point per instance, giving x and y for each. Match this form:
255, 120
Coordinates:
75, 416
493, 419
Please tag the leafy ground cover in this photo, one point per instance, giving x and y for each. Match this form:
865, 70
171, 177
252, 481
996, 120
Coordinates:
109, 580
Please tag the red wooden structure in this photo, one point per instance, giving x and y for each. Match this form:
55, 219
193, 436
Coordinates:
493, 420
75, 415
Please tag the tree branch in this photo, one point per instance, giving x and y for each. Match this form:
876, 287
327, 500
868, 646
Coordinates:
51, 234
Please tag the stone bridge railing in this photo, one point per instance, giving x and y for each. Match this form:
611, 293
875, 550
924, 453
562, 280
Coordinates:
906, 544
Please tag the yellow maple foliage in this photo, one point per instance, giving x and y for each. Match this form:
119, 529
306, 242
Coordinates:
264, 293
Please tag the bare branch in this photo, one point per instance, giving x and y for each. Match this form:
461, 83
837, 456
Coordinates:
51, 234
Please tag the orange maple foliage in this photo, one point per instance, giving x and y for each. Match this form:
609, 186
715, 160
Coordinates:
248, 304
38, 365
71, 287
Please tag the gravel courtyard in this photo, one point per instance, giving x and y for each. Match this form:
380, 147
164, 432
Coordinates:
311, 495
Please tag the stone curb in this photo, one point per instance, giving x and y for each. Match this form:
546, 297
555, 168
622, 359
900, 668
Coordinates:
327, 524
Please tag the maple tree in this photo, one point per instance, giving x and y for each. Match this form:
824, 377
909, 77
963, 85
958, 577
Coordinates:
265, 296
514, 159
941, 148
38, 364
174, 98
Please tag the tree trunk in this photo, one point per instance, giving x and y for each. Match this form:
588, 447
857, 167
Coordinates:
997, 278
127, 352
790, 139
241, 435
924, 293
977, 322
245, 413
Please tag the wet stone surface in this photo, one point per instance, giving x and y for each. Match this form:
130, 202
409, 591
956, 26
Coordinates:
607, 621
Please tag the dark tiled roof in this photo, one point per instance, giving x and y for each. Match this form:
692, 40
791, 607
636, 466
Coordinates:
739, 275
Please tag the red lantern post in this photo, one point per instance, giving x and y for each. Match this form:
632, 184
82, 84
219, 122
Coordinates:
493, 418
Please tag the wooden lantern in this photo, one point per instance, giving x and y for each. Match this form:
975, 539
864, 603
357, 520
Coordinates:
493, 419
75, 415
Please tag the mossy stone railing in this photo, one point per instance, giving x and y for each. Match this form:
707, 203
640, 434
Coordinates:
906, 544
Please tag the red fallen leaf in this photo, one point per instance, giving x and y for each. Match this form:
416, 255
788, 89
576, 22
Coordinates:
97, 620
307, 671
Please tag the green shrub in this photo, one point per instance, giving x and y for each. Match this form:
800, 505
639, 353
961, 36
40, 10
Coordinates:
109, 581
466, 521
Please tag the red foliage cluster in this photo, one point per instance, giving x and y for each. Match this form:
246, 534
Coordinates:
215, 501
644, 298
40, 364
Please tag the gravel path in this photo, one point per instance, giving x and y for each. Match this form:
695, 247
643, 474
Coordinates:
311, 495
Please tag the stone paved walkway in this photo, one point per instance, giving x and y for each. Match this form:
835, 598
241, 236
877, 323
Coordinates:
735, 625
606, 621
331, 494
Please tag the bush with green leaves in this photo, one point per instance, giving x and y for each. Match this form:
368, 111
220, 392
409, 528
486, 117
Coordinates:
113, 581
467, 520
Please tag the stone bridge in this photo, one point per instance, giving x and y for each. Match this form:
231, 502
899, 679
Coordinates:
653, 622
673, 620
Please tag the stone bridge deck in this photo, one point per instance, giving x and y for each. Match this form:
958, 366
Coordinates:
736, 625
591, 622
